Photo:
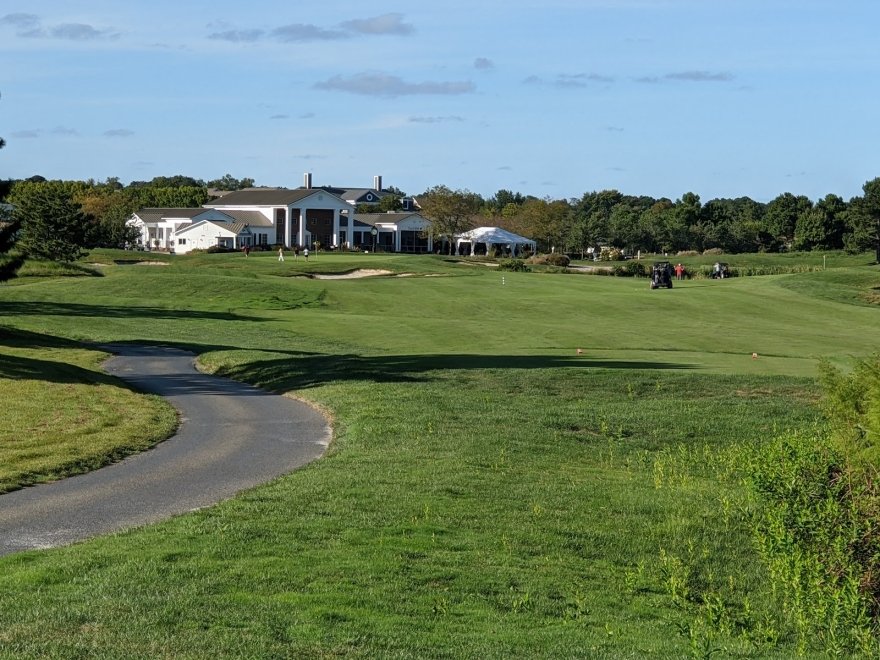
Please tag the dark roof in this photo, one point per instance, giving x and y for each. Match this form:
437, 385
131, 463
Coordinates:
375, 218
263, 197
358, 193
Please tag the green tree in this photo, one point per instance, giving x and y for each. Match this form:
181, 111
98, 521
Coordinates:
863, 220
107, 212
578, 236
781, 218
542, 220
10, 261
52, 224
451, 212
822, 227
229, 182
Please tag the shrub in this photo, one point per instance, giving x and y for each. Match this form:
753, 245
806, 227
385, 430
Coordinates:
558, 259
611, 254
214, 249
513, 265
552, 259
687, 253
631, 269
711, 251
816, 526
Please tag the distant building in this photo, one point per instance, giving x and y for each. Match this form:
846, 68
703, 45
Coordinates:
306, 217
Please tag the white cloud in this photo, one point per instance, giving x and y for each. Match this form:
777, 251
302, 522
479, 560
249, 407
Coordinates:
81, 32
483, 63
380, 84
435, 120
700, 76
237, 36
302, 32
385, 24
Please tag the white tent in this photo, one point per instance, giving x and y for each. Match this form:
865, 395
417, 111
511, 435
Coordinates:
494, 236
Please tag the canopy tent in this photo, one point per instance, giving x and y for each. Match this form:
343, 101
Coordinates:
494, 236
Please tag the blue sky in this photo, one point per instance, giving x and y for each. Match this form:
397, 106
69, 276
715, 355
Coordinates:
552, 98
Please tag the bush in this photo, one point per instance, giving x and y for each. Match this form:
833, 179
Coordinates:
558, 259
714, 251
687, 253
631, 269
552, 259
513, 265
611, 254
214, 249
816, 526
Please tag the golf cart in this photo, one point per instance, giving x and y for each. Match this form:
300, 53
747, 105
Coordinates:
720, 271
661, 275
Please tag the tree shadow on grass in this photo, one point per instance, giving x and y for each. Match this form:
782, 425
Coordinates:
12, 308
303, 372
300, 369
19, 367
16, 367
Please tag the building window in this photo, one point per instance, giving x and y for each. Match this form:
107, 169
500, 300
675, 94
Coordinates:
280, 221
181, 241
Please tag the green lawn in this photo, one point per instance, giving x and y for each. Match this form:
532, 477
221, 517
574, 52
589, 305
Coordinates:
490, 492
63, 415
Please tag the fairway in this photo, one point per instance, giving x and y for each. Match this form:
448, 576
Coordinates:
523, 464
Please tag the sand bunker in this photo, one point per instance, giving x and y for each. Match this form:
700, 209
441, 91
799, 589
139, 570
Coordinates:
355, 274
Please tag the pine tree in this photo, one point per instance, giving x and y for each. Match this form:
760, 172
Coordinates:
9, 262
52, 224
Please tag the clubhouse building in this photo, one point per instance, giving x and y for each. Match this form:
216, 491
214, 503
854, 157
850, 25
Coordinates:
301, 217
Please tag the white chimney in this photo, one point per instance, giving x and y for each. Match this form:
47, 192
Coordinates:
377, 182
307, 180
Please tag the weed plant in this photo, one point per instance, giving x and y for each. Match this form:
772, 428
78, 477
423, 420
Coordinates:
816, 529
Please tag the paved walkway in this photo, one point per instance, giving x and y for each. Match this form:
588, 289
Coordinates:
232, 437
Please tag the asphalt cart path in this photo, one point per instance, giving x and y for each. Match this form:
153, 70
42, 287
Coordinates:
232, 436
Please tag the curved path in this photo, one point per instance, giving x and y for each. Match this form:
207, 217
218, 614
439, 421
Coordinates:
232, 436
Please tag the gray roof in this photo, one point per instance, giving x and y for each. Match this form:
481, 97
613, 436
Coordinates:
357, 193
235, 227
156, 215
263, 197
252, 218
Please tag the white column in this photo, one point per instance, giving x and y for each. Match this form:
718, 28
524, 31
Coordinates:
288, 226
336, 228
396, 238
302, 227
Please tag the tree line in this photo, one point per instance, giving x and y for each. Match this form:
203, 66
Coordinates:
60, 219
641, 223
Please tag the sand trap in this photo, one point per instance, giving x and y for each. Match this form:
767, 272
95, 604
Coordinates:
353, 275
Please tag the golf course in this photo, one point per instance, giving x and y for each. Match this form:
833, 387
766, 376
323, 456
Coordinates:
541, 464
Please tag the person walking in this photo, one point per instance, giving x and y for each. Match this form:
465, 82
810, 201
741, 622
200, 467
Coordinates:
281, 254
306, 253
